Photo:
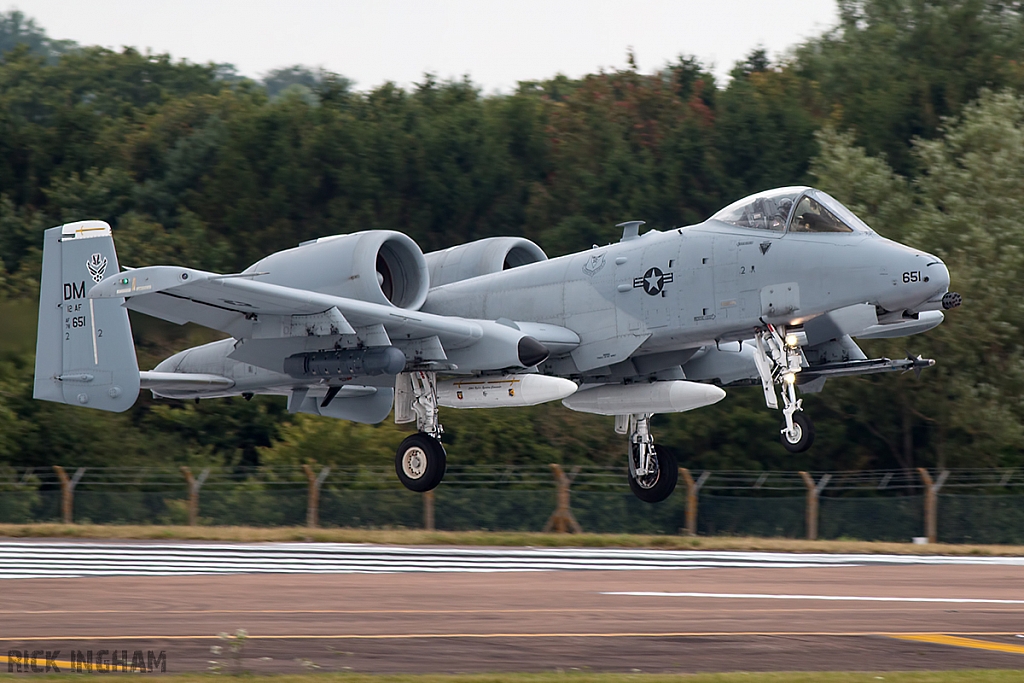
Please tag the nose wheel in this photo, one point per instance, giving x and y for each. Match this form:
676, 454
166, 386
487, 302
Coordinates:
800, 436
778, 360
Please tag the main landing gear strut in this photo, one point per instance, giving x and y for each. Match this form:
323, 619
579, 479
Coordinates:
652, 475
421, 461
778, 359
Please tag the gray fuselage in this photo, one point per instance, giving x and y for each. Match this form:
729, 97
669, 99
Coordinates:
695, 286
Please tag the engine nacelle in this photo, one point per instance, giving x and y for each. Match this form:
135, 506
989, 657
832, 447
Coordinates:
483, 257
379, 266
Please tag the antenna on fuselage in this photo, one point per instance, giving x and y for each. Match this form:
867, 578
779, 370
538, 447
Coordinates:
630, 230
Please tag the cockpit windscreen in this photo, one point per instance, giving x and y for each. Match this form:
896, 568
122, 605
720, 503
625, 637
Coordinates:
845, 215
812, 216
800, 209
764, 211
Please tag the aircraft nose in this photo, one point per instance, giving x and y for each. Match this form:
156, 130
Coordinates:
927, 281
919, 281
936, 273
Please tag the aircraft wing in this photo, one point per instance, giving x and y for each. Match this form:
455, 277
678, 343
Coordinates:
269, 314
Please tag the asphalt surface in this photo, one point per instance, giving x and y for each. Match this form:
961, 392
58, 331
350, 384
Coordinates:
743, 613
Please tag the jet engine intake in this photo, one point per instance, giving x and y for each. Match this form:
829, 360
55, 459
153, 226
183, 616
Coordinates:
380, 266
483, 257
383, 360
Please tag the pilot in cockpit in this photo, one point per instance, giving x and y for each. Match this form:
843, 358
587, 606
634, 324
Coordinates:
811, 216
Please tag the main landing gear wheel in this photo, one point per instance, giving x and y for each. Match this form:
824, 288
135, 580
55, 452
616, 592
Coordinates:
420, 462
802, 436
658, 484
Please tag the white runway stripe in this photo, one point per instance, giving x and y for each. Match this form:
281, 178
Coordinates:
850, 598
68, 559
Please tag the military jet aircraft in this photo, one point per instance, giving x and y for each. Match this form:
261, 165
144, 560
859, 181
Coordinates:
771, 290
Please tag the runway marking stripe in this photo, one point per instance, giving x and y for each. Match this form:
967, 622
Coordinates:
412, 636
958, 641
4, 659
850, 598
30, 560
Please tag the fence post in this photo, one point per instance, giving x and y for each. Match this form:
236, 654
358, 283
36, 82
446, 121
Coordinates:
692, 491
813, 494
194, 484
313, 500
562, 520
931, 502
428, 510
67, 492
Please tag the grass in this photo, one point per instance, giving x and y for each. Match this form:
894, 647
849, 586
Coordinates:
489, 538
973, 676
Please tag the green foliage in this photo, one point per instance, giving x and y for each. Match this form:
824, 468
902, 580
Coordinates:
765, 127
893, 68
16, 30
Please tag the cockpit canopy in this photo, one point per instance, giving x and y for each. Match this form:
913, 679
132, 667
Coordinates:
796, 209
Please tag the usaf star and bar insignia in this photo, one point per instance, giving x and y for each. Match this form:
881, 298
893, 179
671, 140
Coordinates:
653, 281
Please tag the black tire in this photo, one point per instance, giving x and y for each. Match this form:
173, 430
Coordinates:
420, 462
664, 481
805, 429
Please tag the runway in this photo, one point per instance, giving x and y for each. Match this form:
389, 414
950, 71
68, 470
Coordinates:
391, 609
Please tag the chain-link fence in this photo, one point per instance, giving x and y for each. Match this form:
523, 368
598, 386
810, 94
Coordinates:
971, 506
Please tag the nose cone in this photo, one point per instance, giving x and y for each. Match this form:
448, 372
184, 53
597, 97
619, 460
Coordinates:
938, 273
912, 280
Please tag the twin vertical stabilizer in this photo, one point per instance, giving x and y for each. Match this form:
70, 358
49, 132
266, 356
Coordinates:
85, 354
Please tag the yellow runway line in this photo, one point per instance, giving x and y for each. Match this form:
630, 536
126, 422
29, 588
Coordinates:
4, 659
958, 641
412, 636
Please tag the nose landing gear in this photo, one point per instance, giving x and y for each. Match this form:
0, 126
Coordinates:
652, 475
421, 460
800, 436
778, 359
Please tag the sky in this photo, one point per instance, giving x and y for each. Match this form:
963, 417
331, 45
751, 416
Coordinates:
496, 43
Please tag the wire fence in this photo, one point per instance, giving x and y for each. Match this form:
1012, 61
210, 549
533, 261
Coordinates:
969, 505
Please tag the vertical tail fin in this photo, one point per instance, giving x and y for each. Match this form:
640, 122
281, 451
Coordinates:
85, 354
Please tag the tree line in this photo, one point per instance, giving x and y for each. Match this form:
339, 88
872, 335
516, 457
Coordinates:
908, 110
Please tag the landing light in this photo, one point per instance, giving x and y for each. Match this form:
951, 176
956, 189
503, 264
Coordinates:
791, 341
789, 377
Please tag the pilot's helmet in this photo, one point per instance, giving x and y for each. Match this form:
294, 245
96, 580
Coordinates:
785, 205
